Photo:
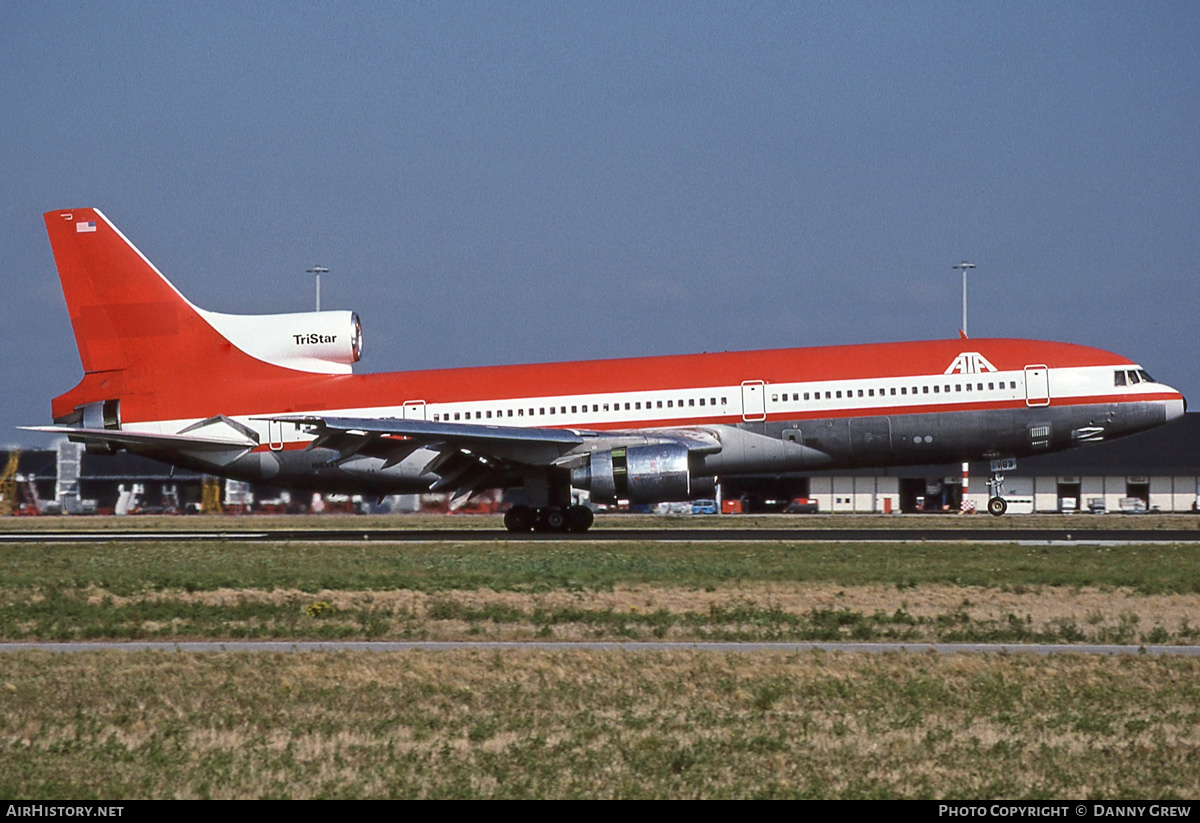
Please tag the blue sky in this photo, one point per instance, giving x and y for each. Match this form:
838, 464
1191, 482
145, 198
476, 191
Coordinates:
516, 182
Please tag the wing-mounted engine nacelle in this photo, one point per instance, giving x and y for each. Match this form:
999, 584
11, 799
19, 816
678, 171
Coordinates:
328, 342
654, 473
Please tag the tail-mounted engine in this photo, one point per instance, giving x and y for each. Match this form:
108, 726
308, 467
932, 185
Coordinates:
329, 342
655, 473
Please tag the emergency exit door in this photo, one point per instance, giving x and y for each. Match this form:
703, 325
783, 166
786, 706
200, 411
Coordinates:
754, 405
1037, 386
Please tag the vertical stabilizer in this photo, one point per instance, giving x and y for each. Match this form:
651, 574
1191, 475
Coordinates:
122, 309
140, 341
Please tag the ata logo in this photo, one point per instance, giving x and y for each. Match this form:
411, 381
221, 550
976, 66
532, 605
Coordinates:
970, 362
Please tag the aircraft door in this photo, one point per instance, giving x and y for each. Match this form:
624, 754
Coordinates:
414, 409
1037, 386
754, 404
870, 437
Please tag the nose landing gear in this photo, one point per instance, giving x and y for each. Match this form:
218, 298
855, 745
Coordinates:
997, 505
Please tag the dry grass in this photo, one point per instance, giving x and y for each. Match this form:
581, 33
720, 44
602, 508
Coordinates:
751, 610
618, 724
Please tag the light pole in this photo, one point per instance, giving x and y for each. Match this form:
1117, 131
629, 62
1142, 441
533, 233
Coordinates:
964, 265
967, 504
319, 270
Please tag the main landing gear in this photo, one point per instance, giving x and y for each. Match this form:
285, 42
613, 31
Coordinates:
549, 519
997, 505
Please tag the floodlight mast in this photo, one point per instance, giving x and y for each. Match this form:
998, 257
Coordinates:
319, 270
967, 506
964, 265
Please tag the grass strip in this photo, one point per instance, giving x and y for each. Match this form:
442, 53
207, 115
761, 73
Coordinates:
522, 724
127, 568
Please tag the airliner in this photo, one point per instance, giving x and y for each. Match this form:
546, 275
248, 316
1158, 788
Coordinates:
273, 399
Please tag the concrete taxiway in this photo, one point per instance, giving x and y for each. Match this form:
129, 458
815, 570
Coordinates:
284, 646
690, 535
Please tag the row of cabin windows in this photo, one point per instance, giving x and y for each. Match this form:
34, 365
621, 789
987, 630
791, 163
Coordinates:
1131, 377
575, 409
903, 390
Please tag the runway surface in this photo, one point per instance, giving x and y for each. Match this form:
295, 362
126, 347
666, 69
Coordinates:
890, 535
632, 646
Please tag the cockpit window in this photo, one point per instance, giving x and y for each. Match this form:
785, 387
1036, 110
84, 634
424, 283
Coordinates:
1119, 378
1133, 377
1146, 378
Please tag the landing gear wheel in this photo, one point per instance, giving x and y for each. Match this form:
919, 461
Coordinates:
580, 518
997, 506
518, 519
554, 518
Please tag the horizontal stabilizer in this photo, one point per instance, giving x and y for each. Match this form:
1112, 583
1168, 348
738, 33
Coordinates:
141, 441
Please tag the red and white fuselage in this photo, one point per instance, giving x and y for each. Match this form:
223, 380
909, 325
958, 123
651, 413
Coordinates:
273, 398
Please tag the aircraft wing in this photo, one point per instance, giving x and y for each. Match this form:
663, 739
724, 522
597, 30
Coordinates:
463, 451
469, 456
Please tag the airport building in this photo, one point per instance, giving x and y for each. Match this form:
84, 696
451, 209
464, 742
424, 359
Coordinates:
1158, 470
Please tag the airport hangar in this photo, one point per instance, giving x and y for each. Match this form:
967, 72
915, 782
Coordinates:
1156, 470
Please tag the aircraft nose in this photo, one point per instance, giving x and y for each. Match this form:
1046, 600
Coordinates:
1175, 408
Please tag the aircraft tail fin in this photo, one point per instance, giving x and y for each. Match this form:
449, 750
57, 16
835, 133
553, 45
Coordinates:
138, 337
125, 314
